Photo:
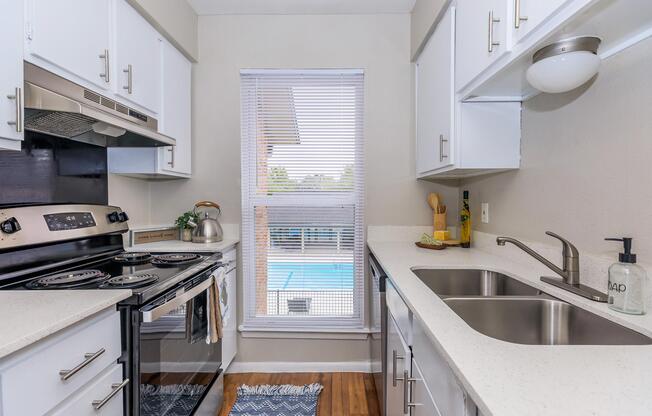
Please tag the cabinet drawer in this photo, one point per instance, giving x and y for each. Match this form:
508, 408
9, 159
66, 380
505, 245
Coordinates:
106, 388
399, 311
34, 373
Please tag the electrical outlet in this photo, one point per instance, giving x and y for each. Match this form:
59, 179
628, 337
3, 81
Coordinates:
485, 212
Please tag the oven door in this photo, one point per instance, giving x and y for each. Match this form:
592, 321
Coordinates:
177, 362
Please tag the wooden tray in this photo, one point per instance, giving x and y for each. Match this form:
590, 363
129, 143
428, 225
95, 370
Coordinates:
430, 246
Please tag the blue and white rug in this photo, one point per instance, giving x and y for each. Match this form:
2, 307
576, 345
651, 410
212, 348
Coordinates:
284, 400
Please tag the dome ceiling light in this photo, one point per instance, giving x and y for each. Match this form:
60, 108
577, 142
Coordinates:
564, 65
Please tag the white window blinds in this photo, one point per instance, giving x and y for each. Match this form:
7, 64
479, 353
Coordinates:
302, 198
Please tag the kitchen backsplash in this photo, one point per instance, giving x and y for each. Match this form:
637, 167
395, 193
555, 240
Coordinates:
53, 170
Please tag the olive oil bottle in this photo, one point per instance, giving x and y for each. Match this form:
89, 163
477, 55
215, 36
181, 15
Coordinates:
465, 222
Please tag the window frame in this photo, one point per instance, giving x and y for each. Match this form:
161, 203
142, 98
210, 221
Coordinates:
356, 199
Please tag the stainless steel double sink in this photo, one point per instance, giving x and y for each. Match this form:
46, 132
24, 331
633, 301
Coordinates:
504, 308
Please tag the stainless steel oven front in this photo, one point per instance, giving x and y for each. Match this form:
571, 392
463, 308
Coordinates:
172, 355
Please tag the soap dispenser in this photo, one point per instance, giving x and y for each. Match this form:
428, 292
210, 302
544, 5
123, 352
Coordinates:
627, 282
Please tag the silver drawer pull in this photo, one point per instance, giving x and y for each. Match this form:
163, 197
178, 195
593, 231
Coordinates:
395, 358
115, 389
89, 358
406, 392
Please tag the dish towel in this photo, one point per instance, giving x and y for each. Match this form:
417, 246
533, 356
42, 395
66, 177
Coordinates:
214, 311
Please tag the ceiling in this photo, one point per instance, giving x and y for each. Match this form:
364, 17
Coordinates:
208, 7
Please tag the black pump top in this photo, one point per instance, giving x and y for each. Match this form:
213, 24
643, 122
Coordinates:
627, 256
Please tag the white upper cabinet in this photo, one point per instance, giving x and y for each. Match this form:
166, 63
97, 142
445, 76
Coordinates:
137, 58
176, 109
481, 36
72, 39
435, 97
175, 74
529, 14
11, 74
455, 139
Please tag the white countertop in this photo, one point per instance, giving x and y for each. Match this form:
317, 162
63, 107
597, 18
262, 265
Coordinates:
506, 379
29, 316
182, 246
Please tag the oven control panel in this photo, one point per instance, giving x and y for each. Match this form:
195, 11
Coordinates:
69, 220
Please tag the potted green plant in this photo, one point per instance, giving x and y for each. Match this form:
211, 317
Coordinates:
186, 222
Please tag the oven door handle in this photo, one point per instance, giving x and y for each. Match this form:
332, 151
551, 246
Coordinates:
162, 310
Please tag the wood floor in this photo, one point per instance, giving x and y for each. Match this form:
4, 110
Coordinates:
344, 394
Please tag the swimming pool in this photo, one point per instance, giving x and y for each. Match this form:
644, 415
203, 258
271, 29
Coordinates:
311, 276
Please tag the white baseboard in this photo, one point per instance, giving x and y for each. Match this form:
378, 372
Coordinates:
300, 367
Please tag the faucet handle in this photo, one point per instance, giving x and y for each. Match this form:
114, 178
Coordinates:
569, 249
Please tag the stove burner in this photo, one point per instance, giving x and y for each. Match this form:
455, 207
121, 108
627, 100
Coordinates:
175, 259
68, 279
133, 258
130, 280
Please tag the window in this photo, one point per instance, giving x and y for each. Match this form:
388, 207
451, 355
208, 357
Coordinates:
302, 199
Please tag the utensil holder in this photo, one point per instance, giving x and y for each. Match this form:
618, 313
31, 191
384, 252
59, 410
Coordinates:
439, 222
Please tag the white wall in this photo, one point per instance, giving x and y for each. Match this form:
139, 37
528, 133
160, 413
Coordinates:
422, 18
586, 164
378, 44
175, 19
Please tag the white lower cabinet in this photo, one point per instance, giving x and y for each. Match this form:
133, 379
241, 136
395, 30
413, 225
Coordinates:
60, 369
432, 389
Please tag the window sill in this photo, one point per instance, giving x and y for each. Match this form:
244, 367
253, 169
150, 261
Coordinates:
304, 333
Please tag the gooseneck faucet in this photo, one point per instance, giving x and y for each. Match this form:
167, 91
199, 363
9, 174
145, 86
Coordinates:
569, 272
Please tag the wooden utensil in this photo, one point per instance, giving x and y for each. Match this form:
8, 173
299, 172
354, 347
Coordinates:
433, 200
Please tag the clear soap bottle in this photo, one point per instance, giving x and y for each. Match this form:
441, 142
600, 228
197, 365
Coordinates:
627, 282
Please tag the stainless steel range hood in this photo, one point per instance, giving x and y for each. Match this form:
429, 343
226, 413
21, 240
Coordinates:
58, 107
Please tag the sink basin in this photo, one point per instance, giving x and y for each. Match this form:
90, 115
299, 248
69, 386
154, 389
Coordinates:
466, 282
541, 321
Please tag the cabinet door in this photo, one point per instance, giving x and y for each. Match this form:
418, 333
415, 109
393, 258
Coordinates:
528, 14
138, 58
481, 37
398, 365
176, 109
435, 97
11, 74
71, 38
228, 297
422, 403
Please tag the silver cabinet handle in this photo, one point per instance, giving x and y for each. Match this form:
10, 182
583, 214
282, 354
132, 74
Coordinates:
492, 43
442, 156
406, 392
18, 96
129, 71
115, 389
171, 162
517, 14
395, 358
107, 66
88, 358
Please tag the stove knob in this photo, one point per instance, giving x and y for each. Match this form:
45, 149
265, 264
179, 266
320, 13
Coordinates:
10, 225
123, 216
114, 217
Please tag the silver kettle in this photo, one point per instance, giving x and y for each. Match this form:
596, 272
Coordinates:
208, 230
